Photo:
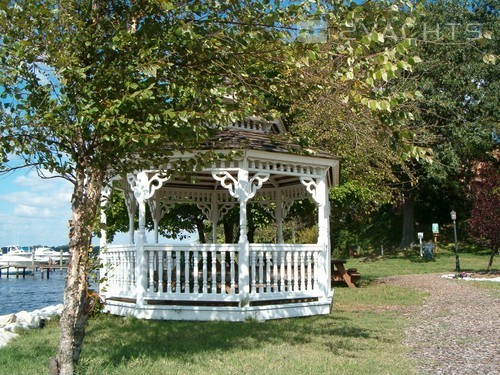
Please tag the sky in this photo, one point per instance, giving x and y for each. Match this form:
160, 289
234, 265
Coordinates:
35, 211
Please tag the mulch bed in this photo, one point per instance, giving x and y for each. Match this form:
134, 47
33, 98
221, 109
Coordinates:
457, 329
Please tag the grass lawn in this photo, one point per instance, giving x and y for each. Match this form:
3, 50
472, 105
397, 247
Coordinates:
410, 262
362, 335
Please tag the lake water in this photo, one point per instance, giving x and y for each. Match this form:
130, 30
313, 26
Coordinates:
30, 293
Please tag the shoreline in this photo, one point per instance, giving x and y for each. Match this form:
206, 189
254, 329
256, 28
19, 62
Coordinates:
24, 320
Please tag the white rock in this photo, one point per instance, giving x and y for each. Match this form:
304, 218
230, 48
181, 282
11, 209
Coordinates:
5, 337
6, 319
12, 327
27, 319
10, 323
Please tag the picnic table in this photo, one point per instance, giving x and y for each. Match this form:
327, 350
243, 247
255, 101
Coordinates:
339, 273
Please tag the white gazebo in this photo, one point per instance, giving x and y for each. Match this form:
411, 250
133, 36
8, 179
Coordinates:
216, 281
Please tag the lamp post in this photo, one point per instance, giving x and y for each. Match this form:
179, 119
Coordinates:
420, 237
457, 261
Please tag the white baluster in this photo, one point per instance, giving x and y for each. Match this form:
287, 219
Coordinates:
296, 271
282, 271
289, 269
151, 270
261, 272
309, 276
268, 272
160, 273
316, 271
214, 271
195, 272
253, 270
178, 282
187, 272
223, 272
275, 272
169, 272
302, 285
231, 265
205, 272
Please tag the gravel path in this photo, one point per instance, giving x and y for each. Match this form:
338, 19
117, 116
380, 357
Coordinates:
457, 330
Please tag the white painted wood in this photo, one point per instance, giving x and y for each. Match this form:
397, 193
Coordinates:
248, 272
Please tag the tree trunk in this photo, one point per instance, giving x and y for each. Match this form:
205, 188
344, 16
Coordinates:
408, 235
85, 204
229, 232
494, 250
200, 228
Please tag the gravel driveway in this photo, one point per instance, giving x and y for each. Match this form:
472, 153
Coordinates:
457, 330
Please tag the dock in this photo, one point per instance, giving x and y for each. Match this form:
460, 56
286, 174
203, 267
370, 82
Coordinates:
20, 269
23, 269
51, 267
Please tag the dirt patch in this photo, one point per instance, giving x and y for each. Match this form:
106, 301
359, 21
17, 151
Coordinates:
456, 330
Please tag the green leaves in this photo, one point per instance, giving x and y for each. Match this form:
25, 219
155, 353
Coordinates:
123, 80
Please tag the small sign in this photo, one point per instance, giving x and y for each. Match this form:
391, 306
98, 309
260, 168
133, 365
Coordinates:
435, 228
420, 235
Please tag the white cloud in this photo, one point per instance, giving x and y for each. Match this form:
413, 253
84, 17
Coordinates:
23, 210
34, 211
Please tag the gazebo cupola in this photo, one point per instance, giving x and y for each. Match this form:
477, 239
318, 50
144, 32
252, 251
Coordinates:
217, 281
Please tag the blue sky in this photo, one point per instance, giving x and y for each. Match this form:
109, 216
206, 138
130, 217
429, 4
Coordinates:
35, 211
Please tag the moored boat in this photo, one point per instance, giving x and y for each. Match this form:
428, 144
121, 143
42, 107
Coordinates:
17, 251
15, 260
49, 255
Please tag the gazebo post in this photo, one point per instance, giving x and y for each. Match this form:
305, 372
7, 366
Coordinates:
244, 253
322, 199
140, 186
141, 266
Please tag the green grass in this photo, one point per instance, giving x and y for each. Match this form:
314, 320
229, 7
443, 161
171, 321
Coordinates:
346, 342
362, 335
410, 262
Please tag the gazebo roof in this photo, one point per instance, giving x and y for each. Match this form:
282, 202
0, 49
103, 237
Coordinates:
267, 147
234, 138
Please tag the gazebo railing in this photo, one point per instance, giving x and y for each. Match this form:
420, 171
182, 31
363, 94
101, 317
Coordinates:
211, 272
118, 263
284, 269
192, 272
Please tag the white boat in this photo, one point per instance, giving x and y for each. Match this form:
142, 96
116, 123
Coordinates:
17, 251
49, 255
15, 260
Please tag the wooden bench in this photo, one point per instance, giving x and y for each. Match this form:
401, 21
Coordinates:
339, 273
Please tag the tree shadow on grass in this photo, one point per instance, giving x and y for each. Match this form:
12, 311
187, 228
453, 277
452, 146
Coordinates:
124, 339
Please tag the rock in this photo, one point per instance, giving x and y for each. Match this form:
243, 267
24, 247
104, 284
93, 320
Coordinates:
5, 337
12, 327
11, 323
7, 319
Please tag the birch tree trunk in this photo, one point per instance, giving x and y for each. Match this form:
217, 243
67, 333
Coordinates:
85, 203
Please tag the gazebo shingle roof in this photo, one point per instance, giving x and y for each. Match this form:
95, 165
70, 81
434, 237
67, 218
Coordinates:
242, 139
